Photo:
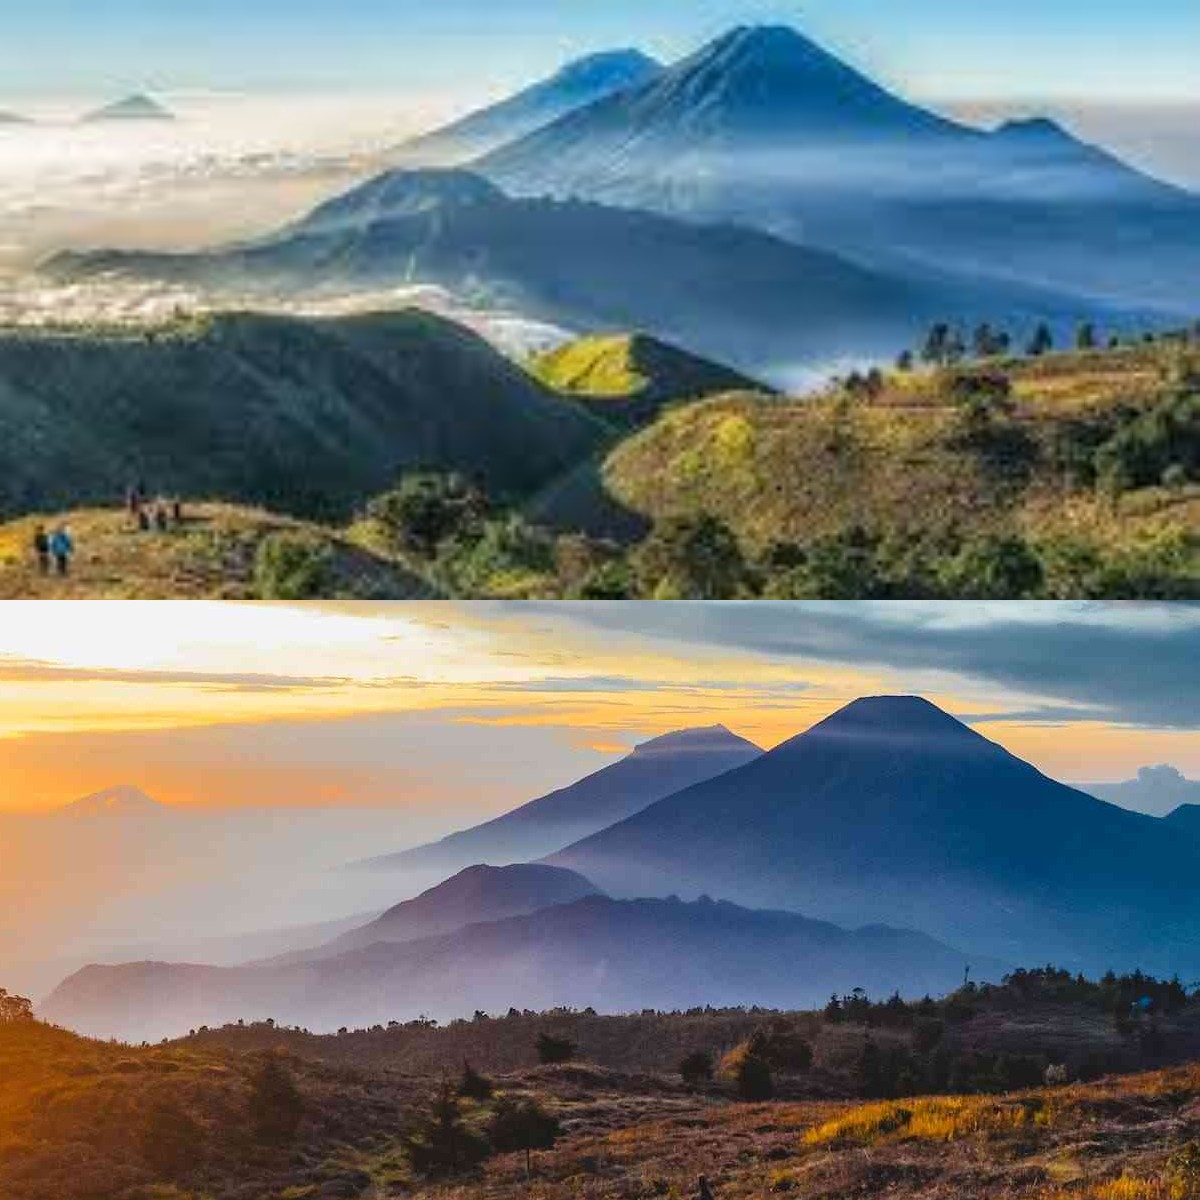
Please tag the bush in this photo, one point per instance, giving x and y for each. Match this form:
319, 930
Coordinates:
427, 510
276, 1105
171, 1142
291, 566
554, 1050
690, 558
781, 1048
754, 1081
437, 1142
522, 1126
473, 1086
697, 1068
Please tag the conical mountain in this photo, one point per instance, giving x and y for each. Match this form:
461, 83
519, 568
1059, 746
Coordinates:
892, 810
764, 127
653, 770
124, 800
578, 84
133, 108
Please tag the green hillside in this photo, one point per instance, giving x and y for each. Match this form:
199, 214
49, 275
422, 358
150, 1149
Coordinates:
219, 552
302, 416
1089, 459
630, 379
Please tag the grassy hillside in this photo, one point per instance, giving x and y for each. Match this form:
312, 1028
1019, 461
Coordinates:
191, 1120
1092, 456
631, 378
220, 552
302, 416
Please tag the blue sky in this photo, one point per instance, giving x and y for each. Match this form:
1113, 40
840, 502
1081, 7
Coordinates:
1023, 49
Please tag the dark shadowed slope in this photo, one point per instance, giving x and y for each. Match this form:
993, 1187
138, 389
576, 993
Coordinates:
766, 128
731, 293
614, 956
300, 416
723, 291
654, 770
893, 810
577, 85
479, 893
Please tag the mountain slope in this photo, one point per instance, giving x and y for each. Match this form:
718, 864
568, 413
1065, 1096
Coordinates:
735, 294
214, 555
575, 86
892, 810
763, 127
132, 108
654, 770
613, 956
632, 378
479, 893
301, 416
115, 802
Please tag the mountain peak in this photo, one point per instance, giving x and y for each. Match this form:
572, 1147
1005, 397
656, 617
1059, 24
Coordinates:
907, 714
138, 107
607, 69
124, 800
405, 193
710, 739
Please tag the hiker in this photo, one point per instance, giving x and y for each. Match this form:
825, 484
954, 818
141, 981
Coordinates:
161, 521
177, 511
133, 500
143, 521
61, 548
705, 1192
41, 548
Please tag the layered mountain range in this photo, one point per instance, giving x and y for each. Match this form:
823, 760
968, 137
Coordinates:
888, 847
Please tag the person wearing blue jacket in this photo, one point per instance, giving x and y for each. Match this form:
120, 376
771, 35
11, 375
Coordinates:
62, 547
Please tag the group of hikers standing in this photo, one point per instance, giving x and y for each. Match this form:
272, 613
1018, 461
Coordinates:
54, 548
160, 516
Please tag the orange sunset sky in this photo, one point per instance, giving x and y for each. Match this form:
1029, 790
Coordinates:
452, 710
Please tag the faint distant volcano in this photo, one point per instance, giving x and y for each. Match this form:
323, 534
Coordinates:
133, 108
125, 800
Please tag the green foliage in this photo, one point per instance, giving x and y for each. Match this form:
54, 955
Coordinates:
697, 1067
276, 1107
754, 1080
427, 510
555, 1050
292, 566
1145, 450
994, 567
508, 557
782, 1047
690, 558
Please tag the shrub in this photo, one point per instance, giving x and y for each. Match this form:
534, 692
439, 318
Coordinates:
171, 1141
427, 510
437, 1142
522, 1126
276, 1106
754, 1081
555, 1050
473, 1086
690, 558
697, 1067
1183, 1170
291, 566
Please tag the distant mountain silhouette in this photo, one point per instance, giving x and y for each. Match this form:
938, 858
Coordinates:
122, 801
132, 108
577, 85
480, 893
1156, 790
12, 118
764, 127
614, 956
654, 770
730, 293
892, 810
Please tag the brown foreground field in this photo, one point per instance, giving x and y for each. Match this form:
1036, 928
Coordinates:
1031, 1091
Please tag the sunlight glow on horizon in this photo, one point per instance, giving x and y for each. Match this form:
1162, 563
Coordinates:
120, 677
